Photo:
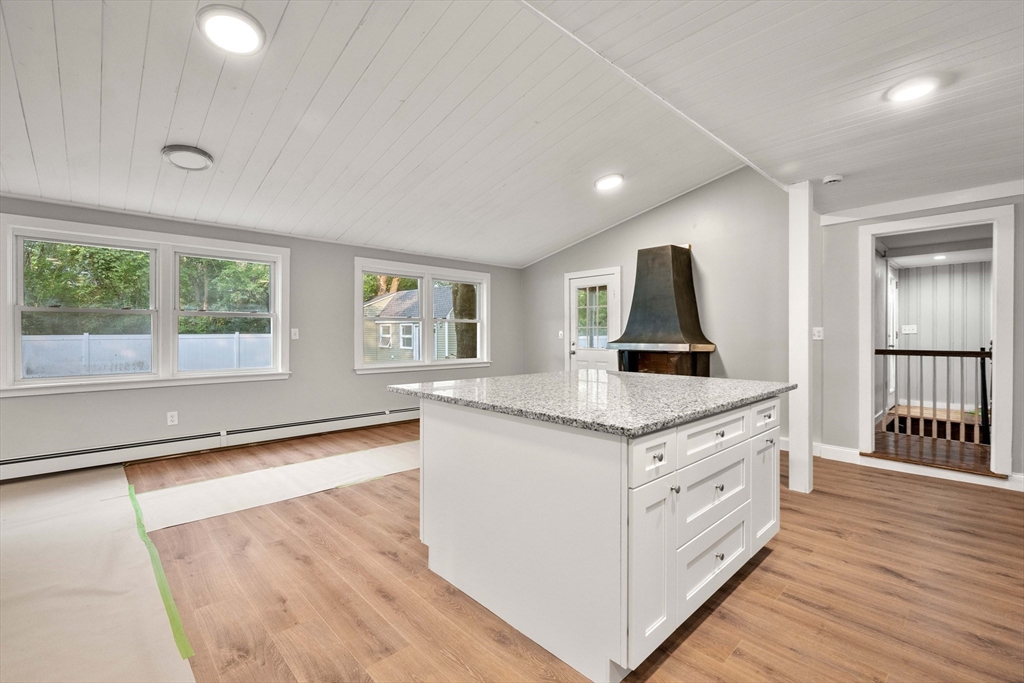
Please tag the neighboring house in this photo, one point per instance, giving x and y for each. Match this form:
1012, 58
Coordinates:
388, 340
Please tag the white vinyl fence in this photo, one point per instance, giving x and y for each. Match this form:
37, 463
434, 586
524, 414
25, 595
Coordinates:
69, 355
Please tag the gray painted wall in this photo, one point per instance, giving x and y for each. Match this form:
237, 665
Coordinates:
738, 227
839, 291
322, 383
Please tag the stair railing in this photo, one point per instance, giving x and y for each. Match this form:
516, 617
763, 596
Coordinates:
953, 430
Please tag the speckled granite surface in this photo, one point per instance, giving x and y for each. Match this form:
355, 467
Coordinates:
627, 403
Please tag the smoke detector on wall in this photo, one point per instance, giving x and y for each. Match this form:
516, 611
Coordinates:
832, 180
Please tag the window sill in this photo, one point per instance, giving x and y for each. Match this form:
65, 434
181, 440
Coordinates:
420, 367
75, 387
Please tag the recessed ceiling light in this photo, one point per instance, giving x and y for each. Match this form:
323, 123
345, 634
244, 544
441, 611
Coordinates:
187, 158
608, 182
231, 29
912, 89
940, 257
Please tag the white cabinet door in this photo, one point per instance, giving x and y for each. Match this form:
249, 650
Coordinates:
652, 573
764, 495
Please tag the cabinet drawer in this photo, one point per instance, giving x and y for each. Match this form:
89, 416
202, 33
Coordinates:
712, 435
711, 489
765, 416
651, 456
707, 562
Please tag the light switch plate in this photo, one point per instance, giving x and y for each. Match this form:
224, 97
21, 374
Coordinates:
908, 329
561, 335
817, 333
295, 333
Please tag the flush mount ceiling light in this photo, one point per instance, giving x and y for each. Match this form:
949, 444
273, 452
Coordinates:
608, 182
187, 158
940, 257
912, 89
231, 29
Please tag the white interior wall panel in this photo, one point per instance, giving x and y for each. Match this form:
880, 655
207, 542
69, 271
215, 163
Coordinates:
466, 129
951, 306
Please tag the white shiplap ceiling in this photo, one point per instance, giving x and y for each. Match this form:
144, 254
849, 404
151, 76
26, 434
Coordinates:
475, 130
797, 87
469, 129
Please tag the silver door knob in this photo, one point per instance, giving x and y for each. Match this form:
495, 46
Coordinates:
720, 433
719, 487
771, 441
674, 489
660, 457
720, 556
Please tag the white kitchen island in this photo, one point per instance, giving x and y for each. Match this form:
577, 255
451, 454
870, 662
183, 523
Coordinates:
595, 511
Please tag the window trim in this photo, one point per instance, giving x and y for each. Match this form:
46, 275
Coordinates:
427, 274
165, 248
381, 335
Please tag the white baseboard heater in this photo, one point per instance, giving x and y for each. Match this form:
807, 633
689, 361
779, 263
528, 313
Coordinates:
45, 463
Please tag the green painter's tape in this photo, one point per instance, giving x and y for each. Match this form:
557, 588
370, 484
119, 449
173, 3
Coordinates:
184, 647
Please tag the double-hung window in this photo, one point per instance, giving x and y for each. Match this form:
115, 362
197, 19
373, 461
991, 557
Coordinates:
91, 307
438, 315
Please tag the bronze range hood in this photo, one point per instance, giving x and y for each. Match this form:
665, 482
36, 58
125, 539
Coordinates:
663, 333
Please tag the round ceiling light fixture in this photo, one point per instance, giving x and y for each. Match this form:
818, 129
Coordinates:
231, 29
187, 158
912, 89
608, 182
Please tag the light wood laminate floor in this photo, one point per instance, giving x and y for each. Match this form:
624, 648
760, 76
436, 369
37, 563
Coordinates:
875, 576
149, 475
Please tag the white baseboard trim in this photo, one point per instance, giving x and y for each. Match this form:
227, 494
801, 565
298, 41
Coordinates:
57, 462
853, 456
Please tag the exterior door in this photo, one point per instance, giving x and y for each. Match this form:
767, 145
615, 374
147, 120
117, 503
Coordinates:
593, 321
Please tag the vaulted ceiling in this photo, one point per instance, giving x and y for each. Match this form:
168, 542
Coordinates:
476, 130
798, 87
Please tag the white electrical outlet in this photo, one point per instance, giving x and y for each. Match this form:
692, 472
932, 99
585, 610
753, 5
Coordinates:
172, 418
817, 333
908, 329
295, 333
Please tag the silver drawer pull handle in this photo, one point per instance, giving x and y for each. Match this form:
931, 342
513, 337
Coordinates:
719, 487
720, 433
660, 457
674, 489
720, 556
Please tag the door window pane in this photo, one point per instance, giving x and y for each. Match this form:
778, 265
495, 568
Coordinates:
207, 343
61, 274
222, 285
60, 344
390, 296
592, 317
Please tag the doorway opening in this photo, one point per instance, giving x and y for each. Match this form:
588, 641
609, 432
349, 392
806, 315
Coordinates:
592, 318
933, 374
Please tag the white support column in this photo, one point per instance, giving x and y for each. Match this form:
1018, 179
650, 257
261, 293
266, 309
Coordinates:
802, 218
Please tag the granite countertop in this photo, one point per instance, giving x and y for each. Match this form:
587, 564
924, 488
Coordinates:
630, 404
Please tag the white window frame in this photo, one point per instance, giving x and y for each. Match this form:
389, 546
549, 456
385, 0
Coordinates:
427, 275
164, 304
381, 336
402, 336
